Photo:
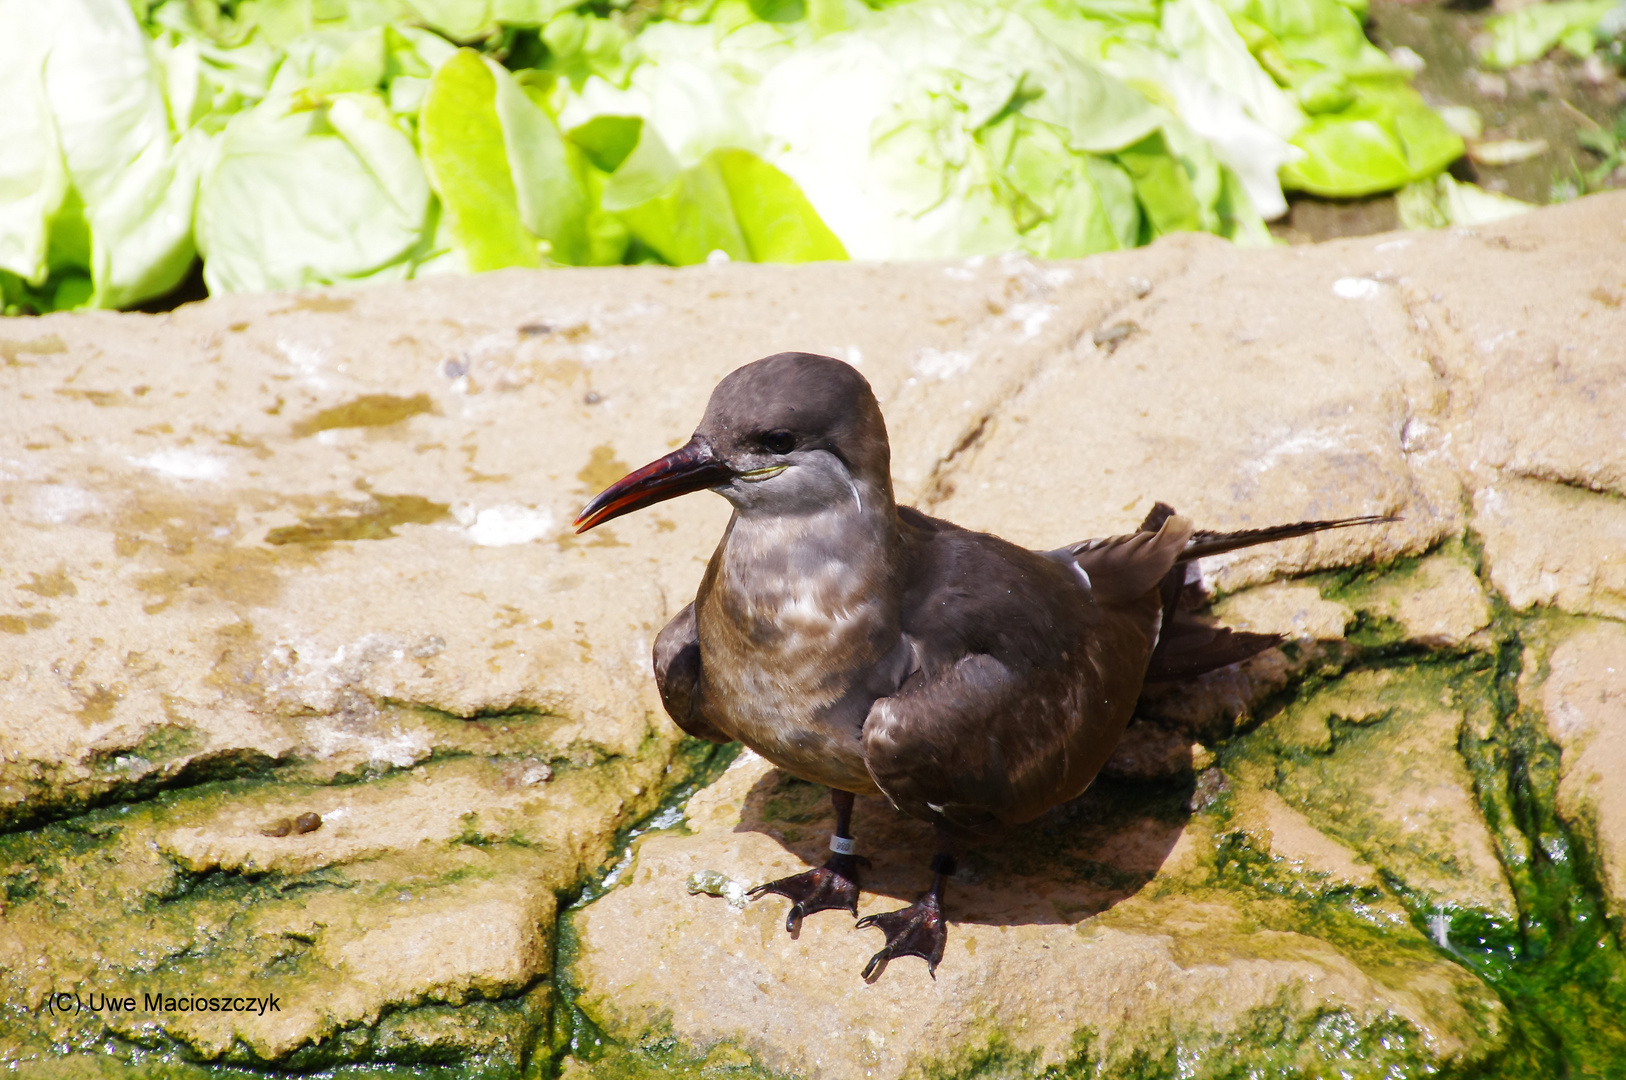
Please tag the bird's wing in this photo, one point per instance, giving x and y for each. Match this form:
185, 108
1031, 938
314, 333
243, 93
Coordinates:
1122, 569
677, 676
1024, 679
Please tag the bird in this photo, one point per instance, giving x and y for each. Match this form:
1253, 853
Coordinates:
871, 648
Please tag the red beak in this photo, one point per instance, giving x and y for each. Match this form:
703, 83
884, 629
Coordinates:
691, 467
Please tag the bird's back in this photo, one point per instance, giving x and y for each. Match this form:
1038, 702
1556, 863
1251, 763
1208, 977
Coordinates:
1027, 671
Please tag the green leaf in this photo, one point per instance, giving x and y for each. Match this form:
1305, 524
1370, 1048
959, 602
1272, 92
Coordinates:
607, 140
112, 126
1096, 212
33, 178
1323, 91
1442, 201
311, 197
1162, 187
1388, 138
359, 68
732, 201
1531, 32
529, 12
549, 196
777, 221
690, 219
778, 11
580, 46
460, 20
647, 170
465, 153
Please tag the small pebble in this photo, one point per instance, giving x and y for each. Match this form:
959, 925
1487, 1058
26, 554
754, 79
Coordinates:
1111, 337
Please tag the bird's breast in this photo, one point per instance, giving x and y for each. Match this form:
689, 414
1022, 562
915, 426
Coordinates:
790, 634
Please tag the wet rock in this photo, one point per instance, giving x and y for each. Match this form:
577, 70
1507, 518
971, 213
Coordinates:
1123, 938
1288, 835
1584, 701
1383, 776
430, 889
1439, 604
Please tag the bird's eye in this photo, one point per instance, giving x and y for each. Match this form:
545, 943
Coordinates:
779, 442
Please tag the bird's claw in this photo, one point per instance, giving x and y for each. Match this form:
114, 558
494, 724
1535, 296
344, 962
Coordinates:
917, 930
833, 885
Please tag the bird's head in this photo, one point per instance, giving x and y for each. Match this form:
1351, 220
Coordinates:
792, 433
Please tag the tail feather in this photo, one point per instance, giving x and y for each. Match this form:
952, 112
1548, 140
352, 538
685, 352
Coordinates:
1203, 544
1188, 646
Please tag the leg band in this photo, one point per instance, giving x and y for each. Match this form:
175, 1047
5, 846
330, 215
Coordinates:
843, 845
944, 864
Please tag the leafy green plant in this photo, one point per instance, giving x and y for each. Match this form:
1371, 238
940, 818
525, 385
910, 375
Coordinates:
298, 143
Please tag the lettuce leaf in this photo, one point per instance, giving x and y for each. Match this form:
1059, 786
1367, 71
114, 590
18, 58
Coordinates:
1518, 37
1442, 201
1387, 138
730, 201
299, 197
102, 180
507, 186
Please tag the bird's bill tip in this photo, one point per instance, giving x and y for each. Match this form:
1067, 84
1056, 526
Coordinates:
691, 467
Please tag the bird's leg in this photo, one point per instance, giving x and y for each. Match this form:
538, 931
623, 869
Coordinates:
833, 885
919, 929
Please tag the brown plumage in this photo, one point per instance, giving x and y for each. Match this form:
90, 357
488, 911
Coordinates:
869, 647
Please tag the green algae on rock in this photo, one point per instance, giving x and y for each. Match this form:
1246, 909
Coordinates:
415, 925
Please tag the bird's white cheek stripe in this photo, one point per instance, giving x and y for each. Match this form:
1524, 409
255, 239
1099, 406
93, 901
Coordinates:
843, 845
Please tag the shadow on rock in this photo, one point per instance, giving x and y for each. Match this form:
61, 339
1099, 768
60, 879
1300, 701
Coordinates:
1073, 862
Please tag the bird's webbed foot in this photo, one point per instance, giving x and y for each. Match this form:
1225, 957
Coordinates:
917, 930
833, 885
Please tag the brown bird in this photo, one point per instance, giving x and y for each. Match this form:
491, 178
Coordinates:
868, 647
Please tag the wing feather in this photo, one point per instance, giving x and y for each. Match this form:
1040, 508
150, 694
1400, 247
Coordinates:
677, 676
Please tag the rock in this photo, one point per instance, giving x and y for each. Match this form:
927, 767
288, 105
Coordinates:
306, 686
1524, 323
1293, 611
1119, 946
1440, 604
1548, 543
1233, 412
1584, 700
430, 888
1288, 835
1384, 777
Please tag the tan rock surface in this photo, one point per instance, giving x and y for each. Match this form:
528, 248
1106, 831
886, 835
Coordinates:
250, 530
277, 555
1236, 406
1553, 544
1584, 700
1524, 320
1293, 611
1441, 604
1387, 779
1045, 950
